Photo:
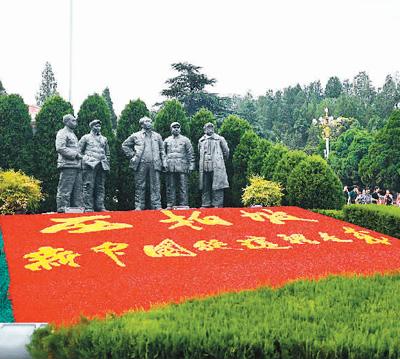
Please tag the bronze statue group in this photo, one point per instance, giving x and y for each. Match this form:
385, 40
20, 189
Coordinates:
83, 166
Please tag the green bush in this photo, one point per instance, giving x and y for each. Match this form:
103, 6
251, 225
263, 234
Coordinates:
337, 317
19, 193
334, 213
383, 219
313, 184
272, 158
262, 192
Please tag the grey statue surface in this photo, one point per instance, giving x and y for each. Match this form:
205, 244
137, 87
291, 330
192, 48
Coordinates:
213, 151
96, 163
145, 149
180, 161
69, 190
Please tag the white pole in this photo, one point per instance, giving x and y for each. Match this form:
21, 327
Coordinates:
70, 52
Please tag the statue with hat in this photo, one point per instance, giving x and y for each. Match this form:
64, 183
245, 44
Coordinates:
180, 160
145, 150
96, 163
213, 151
69, 190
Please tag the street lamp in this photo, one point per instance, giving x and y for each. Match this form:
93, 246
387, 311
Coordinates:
326, 123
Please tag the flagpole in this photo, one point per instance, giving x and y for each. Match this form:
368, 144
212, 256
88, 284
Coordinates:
70, 51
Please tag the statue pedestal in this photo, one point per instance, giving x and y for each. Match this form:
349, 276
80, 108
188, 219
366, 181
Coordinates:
74, 209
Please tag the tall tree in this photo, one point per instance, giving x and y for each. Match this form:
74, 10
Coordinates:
381, 165
333, 87
2, 89
128, 123
48, 122
363, 88
189, 88
106, 95
48, 87
387, 98
15, 134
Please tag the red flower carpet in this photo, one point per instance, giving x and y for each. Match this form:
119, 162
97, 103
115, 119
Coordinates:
65, 265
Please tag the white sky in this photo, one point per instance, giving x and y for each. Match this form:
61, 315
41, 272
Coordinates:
251, 45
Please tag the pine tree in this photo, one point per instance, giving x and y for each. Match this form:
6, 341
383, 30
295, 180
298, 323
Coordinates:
128, 123
48, 86
15, 134
48, 122
171, 111
106, 95
2, 89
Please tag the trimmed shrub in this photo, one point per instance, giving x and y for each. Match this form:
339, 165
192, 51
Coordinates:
383, 219
241, 158
15, 134
337, 317
285, 167
19, 193
257, 157
271, 160
6, 314
262, 192
334, 213
313, 184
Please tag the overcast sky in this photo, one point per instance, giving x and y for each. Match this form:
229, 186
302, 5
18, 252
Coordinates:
251, 45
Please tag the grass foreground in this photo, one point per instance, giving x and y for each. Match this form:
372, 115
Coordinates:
336, 317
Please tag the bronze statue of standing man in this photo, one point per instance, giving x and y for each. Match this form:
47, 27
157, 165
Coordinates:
180, 161
69, 190
213, 151
145, 149
96, 163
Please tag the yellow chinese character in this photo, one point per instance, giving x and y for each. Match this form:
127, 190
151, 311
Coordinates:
254, 242
210, 245
111, 249
48, 257
273, 217
297, 238
181, 221
326, 237
78, 225
167, 248
364, 235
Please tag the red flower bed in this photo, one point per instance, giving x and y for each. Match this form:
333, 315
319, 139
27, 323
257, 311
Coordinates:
65, 265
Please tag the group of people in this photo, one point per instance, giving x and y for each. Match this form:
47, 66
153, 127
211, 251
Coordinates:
83, 166
357, 196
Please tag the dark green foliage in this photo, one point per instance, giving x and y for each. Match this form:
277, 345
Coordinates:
337, 317
48, 122
196, 125
285, 167
313, 184
95, 107
347, 152
6, 313
232, 129
107, 97
48, 87
333, 87
2, 89
189, 88
381, 165
257, 157
171, 111
334, 213
15, 134
383, 219
241, 158
271, 159
128, 123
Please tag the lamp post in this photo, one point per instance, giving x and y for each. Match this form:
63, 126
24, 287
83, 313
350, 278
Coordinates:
326, 123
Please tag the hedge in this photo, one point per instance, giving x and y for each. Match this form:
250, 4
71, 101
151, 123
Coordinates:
6, 314
334, 213
383, 219
337, 317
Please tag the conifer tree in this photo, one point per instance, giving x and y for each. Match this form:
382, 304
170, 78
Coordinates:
48, 86
106, 95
